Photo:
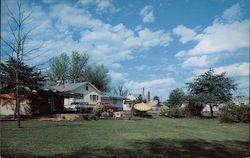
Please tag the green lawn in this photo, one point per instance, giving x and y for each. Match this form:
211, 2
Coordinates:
160, 137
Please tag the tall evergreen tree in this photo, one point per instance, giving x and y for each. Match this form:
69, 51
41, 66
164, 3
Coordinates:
29, 78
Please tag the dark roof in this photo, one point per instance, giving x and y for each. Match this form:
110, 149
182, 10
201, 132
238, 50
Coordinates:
109, 95
70, 87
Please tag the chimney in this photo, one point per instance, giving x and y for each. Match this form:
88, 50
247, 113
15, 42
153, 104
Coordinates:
143, 91
148, 96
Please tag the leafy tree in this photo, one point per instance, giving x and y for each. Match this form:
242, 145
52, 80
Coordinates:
176, 97
120, 90
59, 68
98, 76
212, 88
15, 43
76, 71
195, 105
77, 66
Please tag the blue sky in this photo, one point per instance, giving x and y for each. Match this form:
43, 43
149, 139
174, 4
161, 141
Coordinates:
156, 44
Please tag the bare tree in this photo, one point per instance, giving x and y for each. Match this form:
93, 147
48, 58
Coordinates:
16, 41
120, 90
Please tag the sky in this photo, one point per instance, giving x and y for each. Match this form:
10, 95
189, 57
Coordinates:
158, 45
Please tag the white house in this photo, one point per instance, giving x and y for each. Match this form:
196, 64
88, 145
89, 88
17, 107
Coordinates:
88, 92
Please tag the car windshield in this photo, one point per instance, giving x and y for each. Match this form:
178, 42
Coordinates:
75, 103
83, 103
79, 103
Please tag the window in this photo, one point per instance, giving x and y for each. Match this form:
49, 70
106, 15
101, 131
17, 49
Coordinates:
87, 87
94, 97
80, 96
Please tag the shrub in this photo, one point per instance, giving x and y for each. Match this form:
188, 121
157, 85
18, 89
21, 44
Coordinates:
227, 118
193, 110
175, 112
163, 110
243, 113
235, 113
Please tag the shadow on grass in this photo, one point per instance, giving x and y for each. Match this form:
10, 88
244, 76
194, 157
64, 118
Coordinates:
160, 148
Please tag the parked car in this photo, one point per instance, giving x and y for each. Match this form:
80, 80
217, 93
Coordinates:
107, 107
84, 107
71, 107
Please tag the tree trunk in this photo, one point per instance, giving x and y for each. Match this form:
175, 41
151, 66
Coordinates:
132, 111
211, 110
17, 111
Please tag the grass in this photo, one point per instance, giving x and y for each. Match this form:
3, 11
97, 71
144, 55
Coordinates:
160, 137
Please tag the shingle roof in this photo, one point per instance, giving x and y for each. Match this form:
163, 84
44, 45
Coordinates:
69, 87
110, 95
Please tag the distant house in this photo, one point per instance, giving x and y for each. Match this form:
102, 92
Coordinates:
238, 100
87, 92
114, 100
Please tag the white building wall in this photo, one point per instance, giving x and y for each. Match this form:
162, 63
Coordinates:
9, 109
90, 91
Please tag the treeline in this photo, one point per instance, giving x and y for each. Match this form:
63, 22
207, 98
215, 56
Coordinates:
76, 68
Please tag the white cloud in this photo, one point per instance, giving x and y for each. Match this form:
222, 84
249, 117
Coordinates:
232, 13
49, 1
243, 86
181, 54
229, 34
105, 43
239, 69
117, 76
186, 34
199, 61
222, 37
102, 5
156, 83
116, 65
141, 67
147, 38
147, 14
171, 68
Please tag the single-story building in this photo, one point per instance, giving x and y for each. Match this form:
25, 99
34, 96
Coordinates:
8, 105
39, 102
114, 100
